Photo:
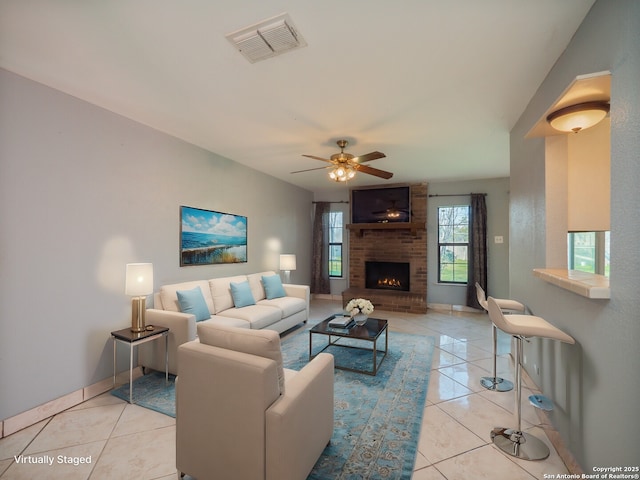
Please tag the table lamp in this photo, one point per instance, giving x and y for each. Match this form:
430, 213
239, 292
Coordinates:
138, 284
287, 263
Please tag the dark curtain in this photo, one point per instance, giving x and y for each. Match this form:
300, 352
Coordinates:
477, 249
320, 250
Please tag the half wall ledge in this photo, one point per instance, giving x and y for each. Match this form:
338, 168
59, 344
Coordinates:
585, 284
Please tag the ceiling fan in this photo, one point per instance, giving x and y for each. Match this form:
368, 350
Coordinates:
344, 165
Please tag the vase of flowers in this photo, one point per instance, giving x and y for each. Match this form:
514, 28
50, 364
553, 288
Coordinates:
359, 309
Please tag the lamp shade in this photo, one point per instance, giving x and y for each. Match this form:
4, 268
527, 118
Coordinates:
139, 279
578, 117
287, 262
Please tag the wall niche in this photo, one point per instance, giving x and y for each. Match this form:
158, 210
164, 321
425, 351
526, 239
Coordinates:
577, 185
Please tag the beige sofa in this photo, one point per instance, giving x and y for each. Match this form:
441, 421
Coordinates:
278, 314
241, 415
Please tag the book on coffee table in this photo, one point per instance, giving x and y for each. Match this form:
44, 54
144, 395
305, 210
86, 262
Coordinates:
340, 321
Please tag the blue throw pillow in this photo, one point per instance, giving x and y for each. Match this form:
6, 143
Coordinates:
273, 287
241, 293
192, 301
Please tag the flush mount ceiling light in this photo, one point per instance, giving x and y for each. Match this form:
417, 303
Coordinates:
578, 117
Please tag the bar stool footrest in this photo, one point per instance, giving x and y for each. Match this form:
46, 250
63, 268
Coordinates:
519, 444
541, 402
497, 384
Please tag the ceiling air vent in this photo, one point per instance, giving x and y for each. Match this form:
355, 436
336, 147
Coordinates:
267, 39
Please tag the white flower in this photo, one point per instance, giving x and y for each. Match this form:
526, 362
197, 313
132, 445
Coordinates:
359, 305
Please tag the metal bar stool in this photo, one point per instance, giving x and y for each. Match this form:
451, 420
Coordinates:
495, 383
514, 441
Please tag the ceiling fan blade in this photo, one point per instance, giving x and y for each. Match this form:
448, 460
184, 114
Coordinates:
368, 157
373, 171
311, 169
318, 158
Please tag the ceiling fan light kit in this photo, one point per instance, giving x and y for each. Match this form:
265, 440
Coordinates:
344, 166
342, 173
578, 117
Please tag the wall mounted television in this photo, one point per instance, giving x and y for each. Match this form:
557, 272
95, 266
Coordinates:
381, 204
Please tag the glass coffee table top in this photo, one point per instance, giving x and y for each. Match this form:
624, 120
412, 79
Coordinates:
370, 330
348, 337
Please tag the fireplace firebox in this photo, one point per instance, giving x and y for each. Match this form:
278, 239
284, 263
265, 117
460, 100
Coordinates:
387, 276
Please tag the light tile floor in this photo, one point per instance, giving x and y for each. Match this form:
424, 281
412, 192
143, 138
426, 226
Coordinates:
127, 441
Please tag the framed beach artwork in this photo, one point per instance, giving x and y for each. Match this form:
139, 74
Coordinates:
208, 237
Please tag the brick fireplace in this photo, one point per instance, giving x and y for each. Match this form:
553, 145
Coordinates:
387, 244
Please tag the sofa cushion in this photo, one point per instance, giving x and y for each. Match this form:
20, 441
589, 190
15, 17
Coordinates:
255, 280
192, 301
227, 322
287, 305
259, 316
169, 297
221, 292
263, 343
273, 287
241, 293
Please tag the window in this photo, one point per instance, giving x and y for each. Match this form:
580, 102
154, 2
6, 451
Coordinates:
589, 252
453, 244
335, 244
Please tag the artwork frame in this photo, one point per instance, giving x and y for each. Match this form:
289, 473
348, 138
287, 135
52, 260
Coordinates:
210, 237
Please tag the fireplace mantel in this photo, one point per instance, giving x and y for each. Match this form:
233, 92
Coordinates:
413, 226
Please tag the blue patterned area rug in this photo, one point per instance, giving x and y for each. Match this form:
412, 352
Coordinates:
377, 418
152, 392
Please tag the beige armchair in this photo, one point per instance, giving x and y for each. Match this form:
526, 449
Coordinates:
240, 415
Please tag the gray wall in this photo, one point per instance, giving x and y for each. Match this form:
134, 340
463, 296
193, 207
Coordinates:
596, 382
497, 199
83, 192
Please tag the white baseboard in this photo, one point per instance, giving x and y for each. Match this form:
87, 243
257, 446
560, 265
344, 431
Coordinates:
31, 417
326, 296
39, 413
446, 307
97, 388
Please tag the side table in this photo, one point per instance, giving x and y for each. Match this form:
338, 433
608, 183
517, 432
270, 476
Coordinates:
134, 339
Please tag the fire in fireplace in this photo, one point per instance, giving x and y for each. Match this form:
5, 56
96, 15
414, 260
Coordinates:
387, 275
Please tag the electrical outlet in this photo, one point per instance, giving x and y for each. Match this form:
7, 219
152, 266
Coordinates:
536, 369
498, 239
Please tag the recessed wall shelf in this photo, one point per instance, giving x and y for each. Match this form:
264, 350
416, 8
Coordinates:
413, 226
586, 284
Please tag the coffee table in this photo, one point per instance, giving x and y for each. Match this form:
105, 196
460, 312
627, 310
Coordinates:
369, 334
